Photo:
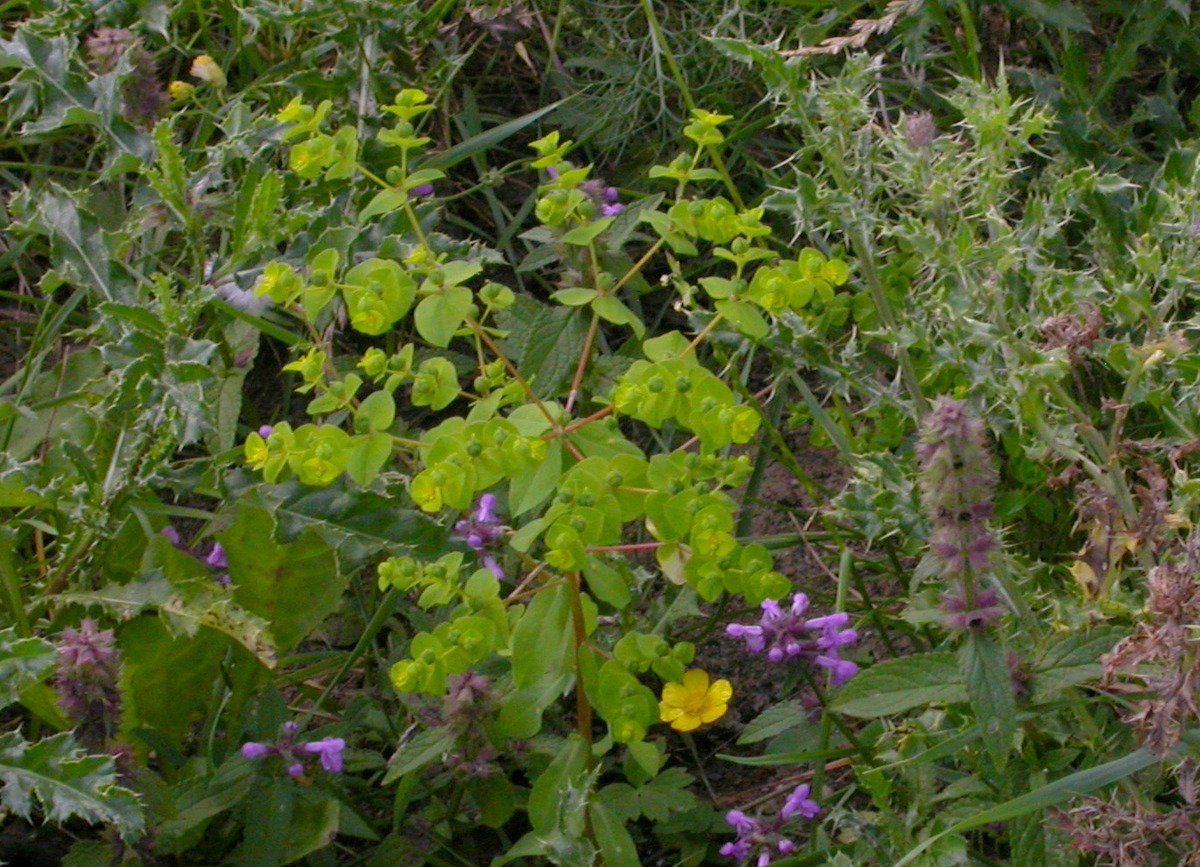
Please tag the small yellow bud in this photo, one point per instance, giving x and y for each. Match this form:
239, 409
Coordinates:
180, 90
206, 69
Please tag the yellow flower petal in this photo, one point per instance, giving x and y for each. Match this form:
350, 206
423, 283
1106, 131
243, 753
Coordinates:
686, 724
695, 680
721, 691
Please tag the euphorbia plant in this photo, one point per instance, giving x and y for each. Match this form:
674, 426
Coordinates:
522, 452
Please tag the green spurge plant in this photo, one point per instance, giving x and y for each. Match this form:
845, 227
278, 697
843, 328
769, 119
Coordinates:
502, 413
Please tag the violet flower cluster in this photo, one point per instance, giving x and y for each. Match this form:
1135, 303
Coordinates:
957, 488
765, 837
483, 530
216, 559
86, 682
328, 749
789, 634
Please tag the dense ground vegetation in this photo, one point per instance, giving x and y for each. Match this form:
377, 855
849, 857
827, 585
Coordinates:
600, 433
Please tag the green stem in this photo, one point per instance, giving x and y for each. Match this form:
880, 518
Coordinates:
12, 583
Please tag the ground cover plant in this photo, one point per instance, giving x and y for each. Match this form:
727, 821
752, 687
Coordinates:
408, 458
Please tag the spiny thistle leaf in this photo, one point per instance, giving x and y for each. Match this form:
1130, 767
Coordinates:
65, 783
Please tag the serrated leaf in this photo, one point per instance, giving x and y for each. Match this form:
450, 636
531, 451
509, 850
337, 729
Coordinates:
983, 663
64, 783
360, 520
546, 342
23, 661
773, 721
898, 685
1073, 660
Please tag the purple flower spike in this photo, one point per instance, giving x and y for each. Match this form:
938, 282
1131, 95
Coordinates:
252, 750
216, 557
330, 750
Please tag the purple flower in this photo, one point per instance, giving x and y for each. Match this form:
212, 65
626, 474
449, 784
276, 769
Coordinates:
171, 535
611, 210
295, 769
788, 634
330, 751
481, 530
252, 750
798, 802
422, 190
216, 557
265, 431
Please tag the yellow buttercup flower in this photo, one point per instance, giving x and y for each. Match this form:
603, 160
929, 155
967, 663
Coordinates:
688, 705
206, 69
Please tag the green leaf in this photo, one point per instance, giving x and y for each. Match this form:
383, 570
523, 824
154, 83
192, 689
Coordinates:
545, 342
1073, 660
774, 720
375, 413
574, 297
583, 235
293, 586
438, 316
529, 490
1049, 795
65, 783
488, 138
424, 748
357, 522
23, 661
616, 846
496, 798
383, 202
1056, 13
613, 310
554, 787
166, 681
983, 663
542, 638
368, 457
745, 317
898, 685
